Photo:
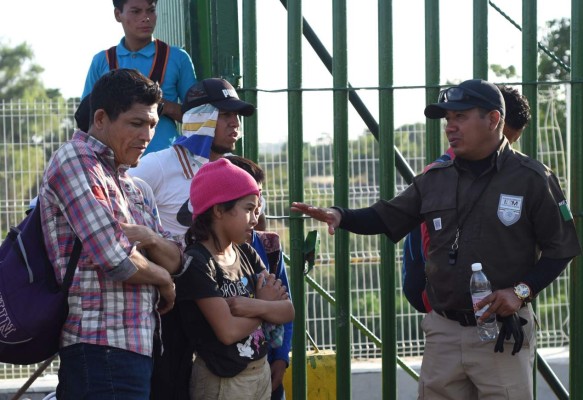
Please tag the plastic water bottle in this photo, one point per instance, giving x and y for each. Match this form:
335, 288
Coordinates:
479, 288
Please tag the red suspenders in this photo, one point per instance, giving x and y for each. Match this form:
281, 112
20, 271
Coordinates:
158, 67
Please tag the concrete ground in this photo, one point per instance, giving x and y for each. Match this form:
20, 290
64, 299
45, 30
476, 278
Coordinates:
366, 377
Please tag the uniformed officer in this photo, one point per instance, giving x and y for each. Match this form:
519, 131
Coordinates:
500, 208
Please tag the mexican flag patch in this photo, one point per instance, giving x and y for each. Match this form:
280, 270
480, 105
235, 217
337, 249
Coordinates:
565, 212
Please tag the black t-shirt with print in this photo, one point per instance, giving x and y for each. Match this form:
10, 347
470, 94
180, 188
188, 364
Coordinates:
205, 278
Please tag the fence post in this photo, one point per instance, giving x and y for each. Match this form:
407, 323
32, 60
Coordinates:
576, 294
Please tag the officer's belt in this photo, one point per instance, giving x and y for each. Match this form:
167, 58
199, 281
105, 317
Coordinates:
465, 318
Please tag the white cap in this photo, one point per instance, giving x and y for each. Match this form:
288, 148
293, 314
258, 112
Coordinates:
476, 267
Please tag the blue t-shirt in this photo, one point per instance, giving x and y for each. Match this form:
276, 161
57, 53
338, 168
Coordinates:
178, 78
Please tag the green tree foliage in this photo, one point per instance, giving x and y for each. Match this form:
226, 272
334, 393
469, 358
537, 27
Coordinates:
19, 75
557, 40
31, 125
507, 72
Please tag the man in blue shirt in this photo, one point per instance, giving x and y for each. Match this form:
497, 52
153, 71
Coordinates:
138, 50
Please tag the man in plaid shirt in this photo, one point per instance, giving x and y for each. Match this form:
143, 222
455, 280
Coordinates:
123, 277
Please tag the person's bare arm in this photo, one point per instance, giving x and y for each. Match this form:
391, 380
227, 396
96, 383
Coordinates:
152, 274
278, 368
172, 110
161, 251
274, 311
228, 328
271, 304
328, 215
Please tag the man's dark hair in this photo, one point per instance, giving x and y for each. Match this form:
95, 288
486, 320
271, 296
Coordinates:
247, 165
517, 108
120, 3
118, 90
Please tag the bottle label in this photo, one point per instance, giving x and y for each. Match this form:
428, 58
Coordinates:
478, 297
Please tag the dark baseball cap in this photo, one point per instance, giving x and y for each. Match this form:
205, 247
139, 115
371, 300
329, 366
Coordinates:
220, 94
83, 114
468, 94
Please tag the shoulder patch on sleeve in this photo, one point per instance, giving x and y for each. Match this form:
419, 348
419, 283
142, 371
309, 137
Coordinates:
565, 211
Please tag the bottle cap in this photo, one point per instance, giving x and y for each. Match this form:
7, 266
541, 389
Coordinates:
476, 267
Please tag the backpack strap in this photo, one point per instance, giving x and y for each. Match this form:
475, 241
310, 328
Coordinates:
158, 66
270, 242
111, 56
160, 62
249, 254
71, 266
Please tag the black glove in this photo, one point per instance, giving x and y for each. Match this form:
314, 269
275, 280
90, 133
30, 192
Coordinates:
511, 327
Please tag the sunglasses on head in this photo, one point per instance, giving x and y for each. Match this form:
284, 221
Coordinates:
457, 93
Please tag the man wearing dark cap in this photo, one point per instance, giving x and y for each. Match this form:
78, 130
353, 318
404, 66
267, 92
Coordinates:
491, 205
210, 129
415, 245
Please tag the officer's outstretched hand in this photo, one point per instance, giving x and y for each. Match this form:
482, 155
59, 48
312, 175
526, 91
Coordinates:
328, 215
511, 327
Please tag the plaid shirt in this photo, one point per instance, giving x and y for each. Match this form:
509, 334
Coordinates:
83, 194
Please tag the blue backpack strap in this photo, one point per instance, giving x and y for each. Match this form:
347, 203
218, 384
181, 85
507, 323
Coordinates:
413, 272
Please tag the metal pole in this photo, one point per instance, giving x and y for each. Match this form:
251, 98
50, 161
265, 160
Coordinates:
530, 90
481, 39
343, 309
296, 181
432, 76
401, 164
250, 141
529, 140
387, 187
576, 295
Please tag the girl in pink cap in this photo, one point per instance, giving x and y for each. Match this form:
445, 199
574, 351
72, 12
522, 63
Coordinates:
225, 295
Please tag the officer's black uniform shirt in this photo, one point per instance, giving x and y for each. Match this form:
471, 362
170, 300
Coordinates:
508, 215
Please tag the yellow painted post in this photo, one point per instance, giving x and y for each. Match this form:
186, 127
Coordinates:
321, 376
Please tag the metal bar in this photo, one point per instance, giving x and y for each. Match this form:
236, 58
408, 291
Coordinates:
481, 39
432, 76
33, 377
530, 90
296, 182
250, 140
341, 266
200, 26
400, 162
361, 327
575, 292
553, 381
529, 72
387, 187
539, 44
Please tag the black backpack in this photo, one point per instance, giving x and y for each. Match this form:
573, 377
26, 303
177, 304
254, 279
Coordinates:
33, 306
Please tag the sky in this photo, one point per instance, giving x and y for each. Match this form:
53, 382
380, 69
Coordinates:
65, 34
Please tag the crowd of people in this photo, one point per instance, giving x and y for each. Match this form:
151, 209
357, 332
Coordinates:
181, 293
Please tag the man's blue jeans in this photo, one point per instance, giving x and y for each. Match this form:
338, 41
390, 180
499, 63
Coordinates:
90, 371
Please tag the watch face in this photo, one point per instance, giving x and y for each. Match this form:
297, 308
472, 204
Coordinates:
522, 291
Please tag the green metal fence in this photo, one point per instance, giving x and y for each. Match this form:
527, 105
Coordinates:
339, 165
31, 131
